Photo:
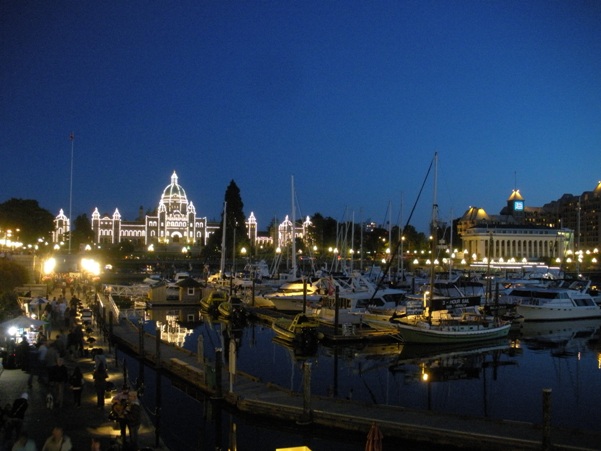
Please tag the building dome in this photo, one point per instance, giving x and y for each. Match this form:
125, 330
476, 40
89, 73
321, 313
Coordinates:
174, 197
597, 189
475, 214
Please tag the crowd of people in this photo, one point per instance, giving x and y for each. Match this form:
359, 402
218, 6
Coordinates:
53, 367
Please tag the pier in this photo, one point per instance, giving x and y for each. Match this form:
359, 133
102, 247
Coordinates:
252, 396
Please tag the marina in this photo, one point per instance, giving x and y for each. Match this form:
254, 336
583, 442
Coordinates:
353, 384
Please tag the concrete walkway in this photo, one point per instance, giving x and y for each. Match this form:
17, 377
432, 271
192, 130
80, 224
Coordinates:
81, 424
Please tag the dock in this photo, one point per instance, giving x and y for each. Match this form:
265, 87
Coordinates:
252, 396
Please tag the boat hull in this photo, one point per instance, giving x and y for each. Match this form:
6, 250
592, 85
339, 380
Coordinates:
560, 313
304, 337
452, 335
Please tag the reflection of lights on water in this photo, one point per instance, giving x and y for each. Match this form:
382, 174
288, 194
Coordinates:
172, 331
425, 375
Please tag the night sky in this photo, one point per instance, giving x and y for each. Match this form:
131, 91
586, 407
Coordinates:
352, 98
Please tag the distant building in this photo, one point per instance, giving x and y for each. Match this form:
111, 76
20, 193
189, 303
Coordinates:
570, 223
174, 222
580, 213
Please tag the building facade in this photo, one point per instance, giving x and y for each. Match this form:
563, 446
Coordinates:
568, 225
518, 232
175, 222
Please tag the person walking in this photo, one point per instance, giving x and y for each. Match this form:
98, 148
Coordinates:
16, 416
100, 376
133, 416
118, 405
58, 376
57, 441
76, 384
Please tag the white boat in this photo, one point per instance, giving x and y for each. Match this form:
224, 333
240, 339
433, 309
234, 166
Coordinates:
446, 328
553, 304
290, 297
354, 306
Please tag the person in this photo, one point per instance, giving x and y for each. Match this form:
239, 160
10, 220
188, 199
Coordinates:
100, 376
42, 370
117, 414
99, 358
22, 354
76, 383
16, 416
58, 376
24, 443
57, 441
79, 341
133, 416
34, 365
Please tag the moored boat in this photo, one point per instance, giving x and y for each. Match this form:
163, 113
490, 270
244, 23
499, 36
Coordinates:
211, 302
553, 304
233, 310
446, 328
299, 330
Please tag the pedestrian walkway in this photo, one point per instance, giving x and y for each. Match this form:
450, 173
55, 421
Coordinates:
82, 423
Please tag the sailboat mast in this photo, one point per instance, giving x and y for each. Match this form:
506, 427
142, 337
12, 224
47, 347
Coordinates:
222, 263
352, 251
434, 229
293, 256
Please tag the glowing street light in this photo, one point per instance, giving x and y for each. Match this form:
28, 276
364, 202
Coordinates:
49, 266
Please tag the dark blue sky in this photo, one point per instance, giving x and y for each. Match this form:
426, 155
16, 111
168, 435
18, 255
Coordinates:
351, 97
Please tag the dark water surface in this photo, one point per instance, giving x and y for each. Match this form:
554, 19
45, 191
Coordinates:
501, 379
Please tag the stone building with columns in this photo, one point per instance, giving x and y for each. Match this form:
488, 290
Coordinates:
518, 232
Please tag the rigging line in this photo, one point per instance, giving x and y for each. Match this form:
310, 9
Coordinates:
388, 213
396, 248
370, 391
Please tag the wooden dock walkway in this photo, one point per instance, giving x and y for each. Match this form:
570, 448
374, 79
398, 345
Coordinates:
252, 396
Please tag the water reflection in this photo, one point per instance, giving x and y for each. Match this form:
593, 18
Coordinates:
562, 338
487, 379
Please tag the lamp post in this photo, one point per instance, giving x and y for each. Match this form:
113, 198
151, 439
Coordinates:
72, 139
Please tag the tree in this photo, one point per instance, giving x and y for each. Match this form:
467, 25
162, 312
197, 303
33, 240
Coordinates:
324, 231
82, 231
28, 217
12, 275
235, 226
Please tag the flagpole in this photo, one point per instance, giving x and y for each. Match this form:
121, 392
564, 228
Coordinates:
72, 138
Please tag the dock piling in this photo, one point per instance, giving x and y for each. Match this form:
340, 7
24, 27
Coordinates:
546, 419
306, 417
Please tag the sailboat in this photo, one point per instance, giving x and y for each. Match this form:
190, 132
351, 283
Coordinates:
445, 326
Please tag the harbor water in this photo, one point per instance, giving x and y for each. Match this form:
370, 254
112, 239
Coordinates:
501, 379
